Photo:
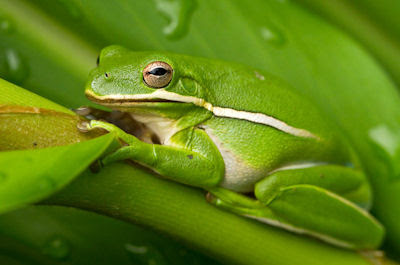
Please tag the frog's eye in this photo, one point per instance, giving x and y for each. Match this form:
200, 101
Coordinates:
157, 74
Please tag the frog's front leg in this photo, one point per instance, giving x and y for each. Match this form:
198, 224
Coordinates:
319, 201
191, 158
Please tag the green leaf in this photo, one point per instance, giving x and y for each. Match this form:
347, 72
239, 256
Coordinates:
27, 176
16, 96
29, 121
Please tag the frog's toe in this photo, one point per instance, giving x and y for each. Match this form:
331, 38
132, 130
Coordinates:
83, 126
86, 126
101, 125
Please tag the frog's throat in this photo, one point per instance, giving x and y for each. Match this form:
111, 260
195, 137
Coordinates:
124, 100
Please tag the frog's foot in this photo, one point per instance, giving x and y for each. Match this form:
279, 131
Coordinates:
199, 166
119, 133
232, 201
301, 201
122, 153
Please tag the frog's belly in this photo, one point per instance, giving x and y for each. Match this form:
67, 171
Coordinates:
239, 176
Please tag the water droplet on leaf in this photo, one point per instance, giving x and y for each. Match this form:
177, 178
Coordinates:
178, 13
57, 247
386, 138
5, 25
259, 76
146, 255
386, 143
15, 68
272, 35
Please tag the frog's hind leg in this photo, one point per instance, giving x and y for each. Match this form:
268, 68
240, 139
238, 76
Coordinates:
308, 201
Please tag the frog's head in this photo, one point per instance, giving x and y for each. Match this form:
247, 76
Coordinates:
142, 80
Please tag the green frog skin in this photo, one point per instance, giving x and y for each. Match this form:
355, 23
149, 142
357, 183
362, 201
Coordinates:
259, 149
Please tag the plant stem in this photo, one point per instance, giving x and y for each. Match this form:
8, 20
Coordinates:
134, 195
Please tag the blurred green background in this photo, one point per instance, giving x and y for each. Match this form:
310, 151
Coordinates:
344, 55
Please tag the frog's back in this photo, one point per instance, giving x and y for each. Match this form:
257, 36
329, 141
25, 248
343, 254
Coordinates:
271, 127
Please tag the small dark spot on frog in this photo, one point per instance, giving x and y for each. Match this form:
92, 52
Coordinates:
190, 156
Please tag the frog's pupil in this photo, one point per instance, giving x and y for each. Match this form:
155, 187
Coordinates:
158, 71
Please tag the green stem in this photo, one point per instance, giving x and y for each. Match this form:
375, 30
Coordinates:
134, 195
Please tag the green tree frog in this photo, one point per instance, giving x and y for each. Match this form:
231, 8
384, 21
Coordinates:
259, 149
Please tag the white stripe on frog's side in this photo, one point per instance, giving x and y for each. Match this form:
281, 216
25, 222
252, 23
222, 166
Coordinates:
262, 119
259, 118
299, 165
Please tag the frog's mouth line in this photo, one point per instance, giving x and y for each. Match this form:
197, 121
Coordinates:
162, 95
126, 102
157, 96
